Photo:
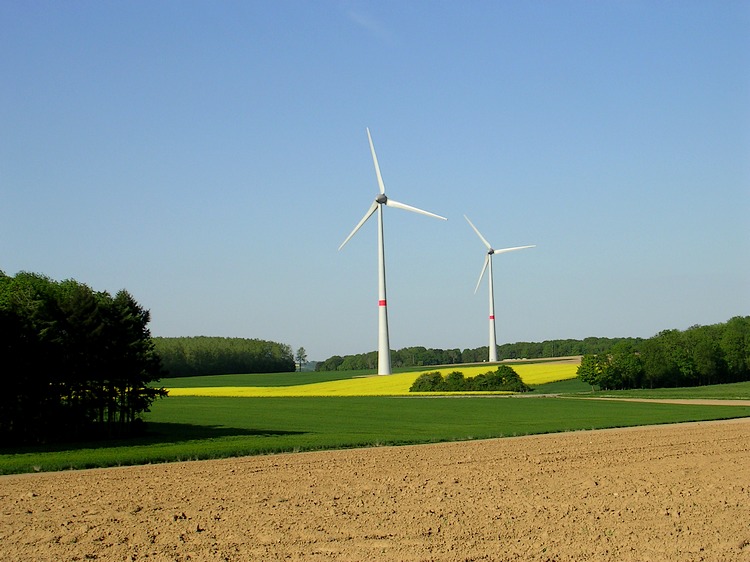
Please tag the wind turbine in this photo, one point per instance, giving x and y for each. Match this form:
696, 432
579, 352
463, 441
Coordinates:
488, 262
384, 350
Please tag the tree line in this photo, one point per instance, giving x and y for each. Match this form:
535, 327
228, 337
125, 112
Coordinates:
203, 355
700, 355
76, 362
421, 356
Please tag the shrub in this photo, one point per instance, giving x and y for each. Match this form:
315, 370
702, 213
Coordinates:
455, 381
505, 378
427, 382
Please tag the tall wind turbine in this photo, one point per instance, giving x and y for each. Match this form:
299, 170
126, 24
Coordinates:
488, 263
384, 350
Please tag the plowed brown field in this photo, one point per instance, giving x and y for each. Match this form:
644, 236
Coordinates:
677, 492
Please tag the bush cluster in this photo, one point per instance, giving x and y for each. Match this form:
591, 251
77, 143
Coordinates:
504, 378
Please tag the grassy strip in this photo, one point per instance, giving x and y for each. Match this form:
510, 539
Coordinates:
260, 379
733, 391
184, 428
568, 386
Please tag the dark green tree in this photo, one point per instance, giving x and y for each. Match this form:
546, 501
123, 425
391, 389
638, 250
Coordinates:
77, 363
427, 382
505, 378
454, 381
301, 357
624, 369
734, 342
590, 370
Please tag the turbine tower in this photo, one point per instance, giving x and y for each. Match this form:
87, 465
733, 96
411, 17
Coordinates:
488, 263
384, 349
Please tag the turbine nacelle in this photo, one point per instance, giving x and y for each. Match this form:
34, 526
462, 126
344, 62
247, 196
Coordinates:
490, 252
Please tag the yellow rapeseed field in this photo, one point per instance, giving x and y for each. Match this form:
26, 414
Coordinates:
542, 373
392, 385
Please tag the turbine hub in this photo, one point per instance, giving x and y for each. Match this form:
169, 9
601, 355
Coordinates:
382, 199
491, 251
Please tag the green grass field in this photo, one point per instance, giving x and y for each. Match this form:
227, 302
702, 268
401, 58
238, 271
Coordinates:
189, 427
733, 391
234, 415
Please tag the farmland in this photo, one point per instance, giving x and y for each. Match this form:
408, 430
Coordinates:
204, 426
567, 495
664, 493
355, 385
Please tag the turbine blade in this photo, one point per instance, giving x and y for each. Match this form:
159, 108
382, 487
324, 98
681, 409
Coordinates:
368, 214
375, 161
504, 250
486, 261
397, 205
478, 233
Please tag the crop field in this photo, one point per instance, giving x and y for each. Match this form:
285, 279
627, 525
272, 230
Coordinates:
236, 415
397, 384
204, 427
659, 493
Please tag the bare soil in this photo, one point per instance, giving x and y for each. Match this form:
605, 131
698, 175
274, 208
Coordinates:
678, 492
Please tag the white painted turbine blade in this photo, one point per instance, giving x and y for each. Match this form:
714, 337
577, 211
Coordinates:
368, 214
375, 161
478, 233
504, 250
397, 205
487, 259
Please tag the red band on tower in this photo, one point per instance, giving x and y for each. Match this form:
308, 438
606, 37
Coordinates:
492, 317
381, 303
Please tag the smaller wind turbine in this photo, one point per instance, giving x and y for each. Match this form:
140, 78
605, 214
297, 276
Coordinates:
488, 263
384, 348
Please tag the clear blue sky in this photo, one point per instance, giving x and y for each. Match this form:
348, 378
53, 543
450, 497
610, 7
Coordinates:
210, 157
